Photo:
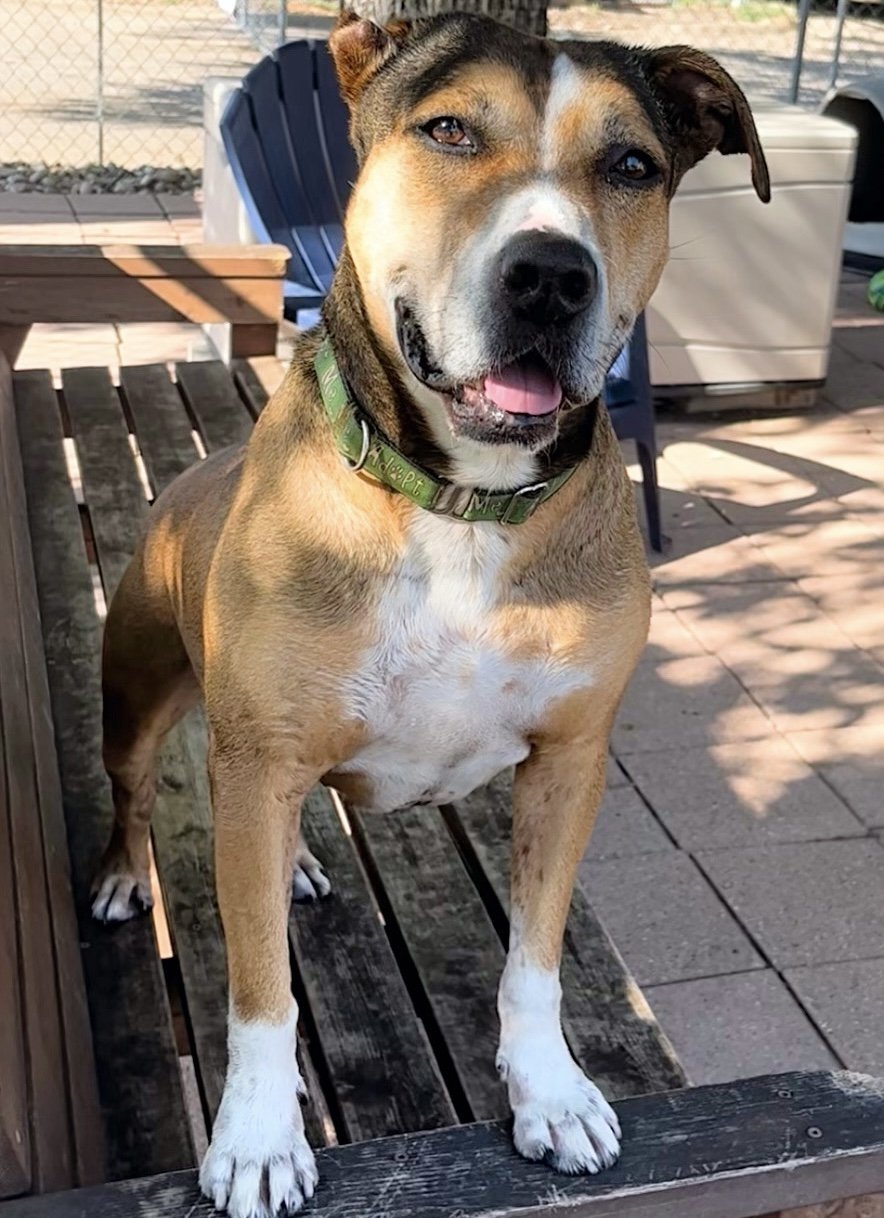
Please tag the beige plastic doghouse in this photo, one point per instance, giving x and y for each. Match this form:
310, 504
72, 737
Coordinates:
860, 103
744, 309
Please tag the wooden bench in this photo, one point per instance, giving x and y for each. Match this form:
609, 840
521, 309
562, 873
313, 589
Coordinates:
396, 975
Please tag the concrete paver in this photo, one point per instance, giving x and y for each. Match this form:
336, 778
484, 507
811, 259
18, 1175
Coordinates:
853, 601
625, 827
806, 902
723, 1028
846, 1000
707, 552
743, 794
831, 547
681, 701
795, 661
665, 918
851, 760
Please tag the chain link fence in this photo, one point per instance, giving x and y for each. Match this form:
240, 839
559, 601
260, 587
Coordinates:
755, 39
120, 81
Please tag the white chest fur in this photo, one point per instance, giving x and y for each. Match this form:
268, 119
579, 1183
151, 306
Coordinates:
446, 703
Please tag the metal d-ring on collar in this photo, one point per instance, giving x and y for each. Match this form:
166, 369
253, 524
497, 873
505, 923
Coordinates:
364, 447
357, 465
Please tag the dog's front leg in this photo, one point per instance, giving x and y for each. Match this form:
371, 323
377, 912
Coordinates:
559, 1114
259, 1162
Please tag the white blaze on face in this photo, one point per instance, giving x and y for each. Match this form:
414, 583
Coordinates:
566, 85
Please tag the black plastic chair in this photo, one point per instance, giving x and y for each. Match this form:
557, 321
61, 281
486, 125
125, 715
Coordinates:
631, 406
285, 134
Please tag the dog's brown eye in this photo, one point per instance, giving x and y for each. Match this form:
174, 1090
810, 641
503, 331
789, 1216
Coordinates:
450, 131
634, 166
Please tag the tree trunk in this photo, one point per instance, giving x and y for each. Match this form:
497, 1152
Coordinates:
529, 16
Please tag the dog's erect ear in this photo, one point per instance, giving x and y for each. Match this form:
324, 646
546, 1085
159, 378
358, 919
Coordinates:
360, 48
707, 109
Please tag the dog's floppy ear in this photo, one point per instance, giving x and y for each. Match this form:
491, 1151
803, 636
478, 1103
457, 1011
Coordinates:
707, 109
360, 48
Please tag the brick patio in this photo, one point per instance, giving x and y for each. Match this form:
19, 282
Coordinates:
745, 806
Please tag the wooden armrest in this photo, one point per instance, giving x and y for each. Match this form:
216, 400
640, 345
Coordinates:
119, 283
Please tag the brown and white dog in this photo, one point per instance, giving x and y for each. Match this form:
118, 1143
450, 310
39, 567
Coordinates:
508, 225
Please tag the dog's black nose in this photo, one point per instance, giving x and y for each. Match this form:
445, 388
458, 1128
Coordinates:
547, 278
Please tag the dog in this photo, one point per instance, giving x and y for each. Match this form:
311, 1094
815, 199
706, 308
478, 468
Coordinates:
424, 567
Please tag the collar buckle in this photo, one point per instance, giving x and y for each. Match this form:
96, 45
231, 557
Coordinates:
523, 502
452, 499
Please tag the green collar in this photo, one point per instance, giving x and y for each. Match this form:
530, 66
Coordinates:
363, 447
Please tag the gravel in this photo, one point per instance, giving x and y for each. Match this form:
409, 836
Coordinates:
22, 177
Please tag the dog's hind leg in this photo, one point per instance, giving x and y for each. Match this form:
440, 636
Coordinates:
147, 685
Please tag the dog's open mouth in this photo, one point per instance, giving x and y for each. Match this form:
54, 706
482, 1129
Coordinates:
517, 402
525, 390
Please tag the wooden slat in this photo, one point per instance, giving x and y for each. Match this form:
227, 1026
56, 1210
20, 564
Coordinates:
182, 823
214, 403
376, 1051
734, 1150
51, 1146
258, 379
161, 422
116, 499
15, 1151
449, 935
139, 1081
97, 298
79, 1062
56, 262
12, 339
607, 1021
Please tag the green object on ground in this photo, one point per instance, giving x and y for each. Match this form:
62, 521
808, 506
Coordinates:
876, 291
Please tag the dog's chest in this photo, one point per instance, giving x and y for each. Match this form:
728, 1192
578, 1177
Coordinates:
445, 698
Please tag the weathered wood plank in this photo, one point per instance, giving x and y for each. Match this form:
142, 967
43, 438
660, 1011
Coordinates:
116, 261
139, 1082
735, 1150
51, 1146
248, 341
162, 424
97, 298
376, 1051
451, 940
12, 339
258, 379
114, 495
607, 1021
79, 1063
214, 403
15, 1143
182, 823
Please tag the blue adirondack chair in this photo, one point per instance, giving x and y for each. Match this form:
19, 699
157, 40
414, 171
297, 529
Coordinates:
285, 134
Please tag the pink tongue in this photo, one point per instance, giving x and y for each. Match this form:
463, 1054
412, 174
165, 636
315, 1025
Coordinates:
523, 388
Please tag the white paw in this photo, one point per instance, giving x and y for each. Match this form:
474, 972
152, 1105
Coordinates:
259, 1164
560, 1116
310, 883
120, 896
258, 1182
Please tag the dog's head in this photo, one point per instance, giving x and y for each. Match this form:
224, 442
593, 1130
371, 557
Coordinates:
509, 221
